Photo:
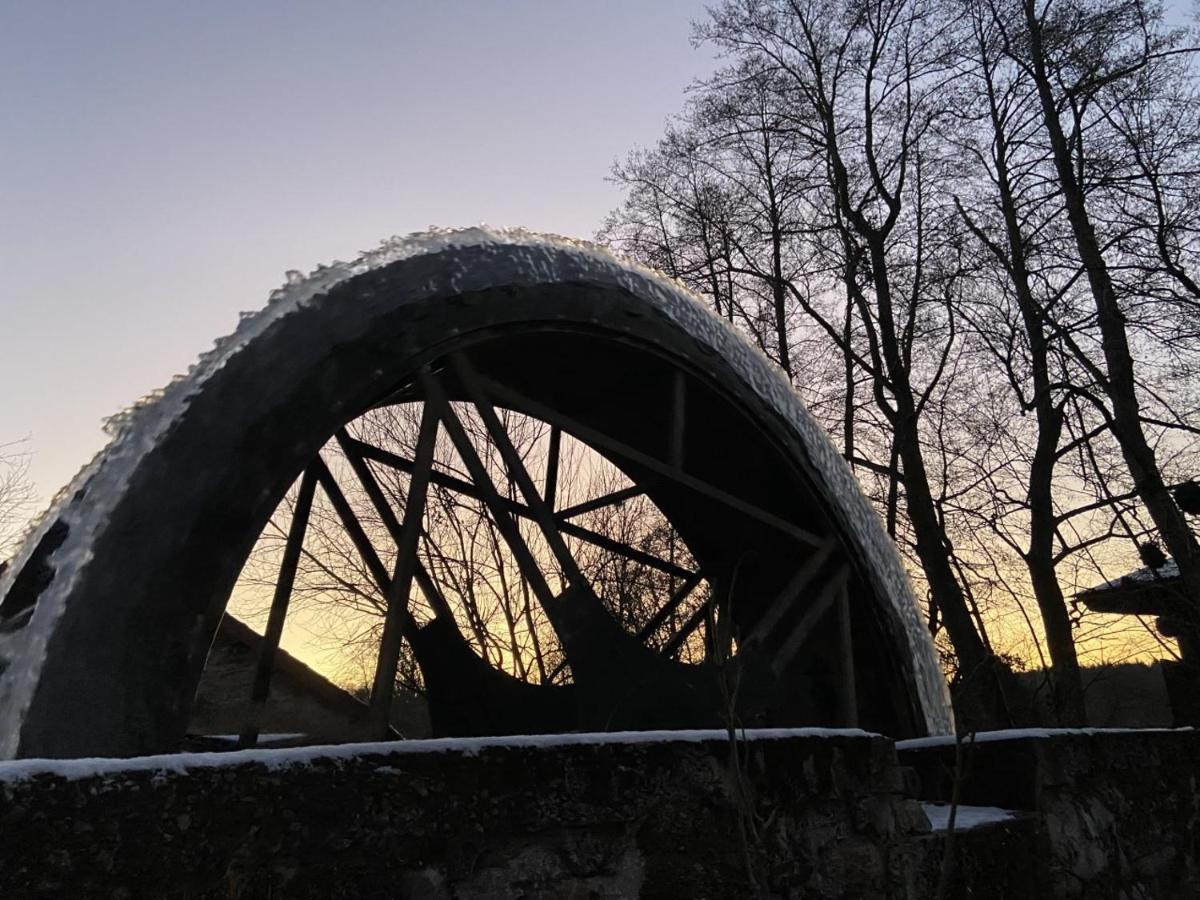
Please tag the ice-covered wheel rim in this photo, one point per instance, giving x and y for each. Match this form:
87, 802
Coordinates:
109, 608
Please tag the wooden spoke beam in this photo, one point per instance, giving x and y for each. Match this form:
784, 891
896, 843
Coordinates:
678, 418
288, 565
847, 685
656, 621
600, 502
718, 630
362, 543
621, 549
821, 604
542, 513
602, 442
350, 449
804, 576
442, 479
406, 565
435, 397
552, 459
676, 641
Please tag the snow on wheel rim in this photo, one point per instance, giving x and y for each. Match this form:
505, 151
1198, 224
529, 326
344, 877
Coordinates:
84, 507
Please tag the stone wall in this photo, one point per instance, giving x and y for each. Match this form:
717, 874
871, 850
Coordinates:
807, 815
1118, 810
821, 814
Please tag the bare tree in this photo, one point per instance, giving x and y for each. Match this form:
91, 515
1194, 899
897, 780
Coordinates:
464, 552
888, 164
1011, 216
860, 87
1078, 55
17, 495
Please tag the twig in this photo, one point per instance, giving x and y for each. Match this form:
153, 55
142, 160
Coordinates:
960, 775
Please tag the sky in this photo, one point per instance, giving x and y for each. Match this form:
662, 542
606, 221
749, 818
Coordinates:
162, 164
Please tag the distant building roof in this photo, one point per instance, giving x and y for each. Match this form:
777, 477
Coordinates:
1143, 592
304, 677
1165, 572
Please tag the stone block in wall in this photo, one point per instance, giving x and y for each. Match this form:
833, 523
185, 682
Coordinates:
1117, 810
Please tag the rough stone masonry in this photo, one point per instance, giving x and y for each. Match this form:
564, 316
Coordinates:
807, 813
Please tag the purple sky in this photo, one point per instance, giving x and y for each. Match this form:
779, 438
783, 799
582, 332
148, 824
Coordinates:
163, 163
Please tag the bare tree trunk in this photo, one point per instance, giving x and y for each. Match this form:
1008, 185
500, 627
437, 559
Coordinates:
981, 694
778, 285
848, 416
1118, 378
1039, 556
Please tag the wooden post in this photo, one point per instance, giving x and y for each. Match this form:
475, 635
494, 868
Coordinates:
678, 418
261, 688
552, 466
848, 696
397, 614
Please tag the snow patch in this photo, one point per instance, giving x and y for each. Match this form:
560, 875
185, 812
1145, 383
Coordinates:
180, 763
965, 817
1017, 734
287, 736
1167, 571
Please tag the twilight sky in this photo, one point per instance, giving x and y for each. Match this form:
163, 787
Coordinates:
163, 163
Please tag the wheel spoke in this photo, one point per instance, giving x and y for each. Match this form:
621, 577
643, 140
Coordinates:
677, 598
351, 449
552, 459
848, 687
678, 418
362, 543
466, 488
406, 565
677, 640
600, 441
805, 575
600, 502
435, 396
517, 471
261, 688
813, 615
